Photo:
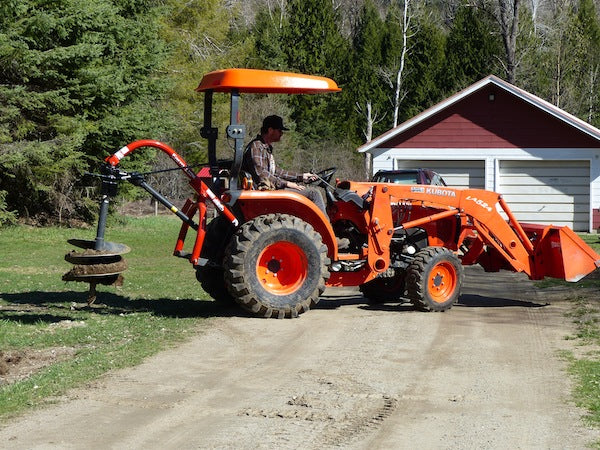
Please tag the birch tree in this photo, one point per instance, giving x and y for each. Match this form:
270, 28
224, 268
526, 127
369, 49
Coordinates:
508, 18
396, 83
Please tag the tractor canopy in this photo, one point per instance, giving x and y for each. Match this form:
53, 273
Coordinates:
265, 82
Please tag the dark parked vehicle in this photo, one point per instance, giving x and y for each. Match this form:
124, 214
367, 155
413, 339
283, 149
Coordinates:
409, 176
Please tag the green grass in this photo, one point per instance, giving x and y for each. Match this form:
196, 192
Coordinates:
585, 313
587, 392
586, 369
159, 304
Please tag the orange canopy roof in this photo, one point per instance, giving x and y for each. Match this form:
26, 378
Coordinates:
265, 81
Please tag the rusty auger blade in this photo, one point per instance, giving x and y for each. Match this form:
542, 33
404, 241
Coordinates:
96, 266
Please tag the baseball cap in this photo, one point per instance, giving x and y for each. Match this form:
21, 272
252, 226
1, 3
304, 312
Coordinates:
274, 122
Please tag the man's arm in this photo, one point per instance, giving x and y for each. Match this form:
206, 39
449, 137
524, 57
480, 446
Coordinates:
287, 174
280, 178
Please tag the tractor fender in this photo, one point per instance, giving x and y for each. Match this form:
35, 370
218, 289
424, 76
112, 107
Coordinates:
258, 203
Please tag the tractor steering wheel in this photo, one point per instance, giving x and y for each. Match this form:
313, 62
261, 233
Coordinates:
325, 175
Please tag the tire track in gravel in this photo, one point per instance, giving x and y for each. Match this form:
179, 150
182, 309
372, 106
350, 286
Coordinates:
269, 382
502, 382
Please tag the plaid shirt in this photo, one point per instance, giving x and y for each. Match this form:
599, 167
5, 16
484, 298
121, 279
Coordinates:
259, 161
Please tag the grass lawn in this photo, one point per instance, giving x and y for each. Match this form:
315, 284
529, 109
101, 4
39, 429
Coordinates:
585, 313
46, 327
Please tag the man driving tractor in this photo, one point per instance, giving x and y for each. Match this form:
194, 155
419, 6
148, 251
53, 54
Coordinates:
266, 175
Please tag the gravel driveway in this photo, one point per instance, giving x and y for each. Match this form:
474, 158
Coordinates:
484, 375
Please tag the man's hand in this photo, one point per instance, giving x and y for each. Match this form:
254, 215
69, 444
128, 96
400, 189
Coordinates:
309, 177
292, 185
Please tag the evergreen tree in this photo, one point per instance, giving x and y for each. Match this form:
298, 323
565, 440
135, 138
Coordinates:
470, 49
367, 89
584, 46
268, 31
426, 68
77, 82
531, 49
312, 44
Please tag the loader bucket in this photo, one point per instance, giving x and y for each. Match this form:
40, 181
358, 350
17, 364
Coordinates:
560, 253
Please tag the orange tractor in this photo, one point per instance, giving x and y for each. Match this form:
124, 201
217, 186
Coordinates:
274, 252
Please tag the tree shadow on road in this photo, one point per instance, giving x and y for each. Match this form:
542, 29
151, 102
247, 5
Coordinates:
481, 301
35, 306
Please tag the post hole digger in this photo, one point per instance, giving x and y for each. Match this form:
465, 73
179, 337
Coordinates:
274, 252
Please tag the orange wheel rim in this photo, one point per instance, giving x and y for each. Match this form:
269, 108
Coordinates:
282, 268
442, 282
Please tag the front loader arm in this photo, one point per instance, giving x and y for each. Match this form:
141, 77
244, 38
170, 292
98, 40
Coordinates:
535, 250
478, 205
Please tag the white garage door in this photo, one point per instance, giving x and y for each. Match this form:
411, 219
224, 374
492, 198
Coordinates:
547, 192
462, 174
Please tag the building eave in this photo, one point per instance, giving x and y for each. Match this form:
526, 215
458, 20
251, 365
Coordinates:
535, 101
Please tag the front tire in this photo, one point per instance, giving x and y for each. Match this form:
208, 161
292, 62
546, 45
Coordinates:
434, 279
276, 266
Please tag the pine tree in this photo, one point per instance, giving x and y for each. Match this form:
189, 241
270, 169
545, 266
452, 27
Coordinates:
313, 44
470, 49
530, 50
367, 89
268, 31
77, 82
584, 45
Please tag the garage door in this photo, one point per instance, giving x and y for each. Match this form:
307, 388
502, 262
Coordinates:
460, 173
547, 192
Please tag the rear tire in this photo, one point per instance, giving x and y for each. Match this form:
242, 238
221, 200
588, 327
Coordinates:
212, 281
434, 279
211, 276
276, 266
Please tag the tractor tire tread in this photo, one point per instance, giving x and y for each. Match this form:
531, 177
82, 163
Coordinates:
241, 281
417, 275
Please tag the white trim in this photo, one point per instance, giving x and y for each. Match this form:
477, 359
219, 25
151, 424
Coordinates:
496, 174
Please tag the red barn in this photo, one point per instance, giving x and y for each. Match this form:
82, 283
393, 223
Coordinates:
495, 136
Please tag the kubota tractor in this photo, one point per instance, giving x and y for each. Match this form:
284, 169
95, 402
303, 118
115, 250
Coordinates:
274, 252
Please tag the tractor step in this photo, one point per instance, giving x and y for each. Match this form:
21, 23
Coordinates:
182, 254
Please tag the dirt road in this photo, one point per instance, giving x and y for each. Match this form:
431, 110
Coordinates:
484, 375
